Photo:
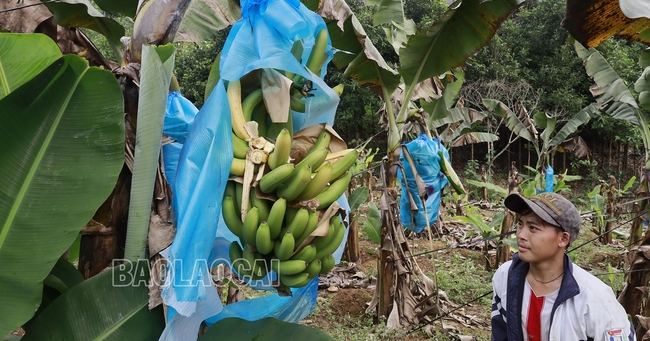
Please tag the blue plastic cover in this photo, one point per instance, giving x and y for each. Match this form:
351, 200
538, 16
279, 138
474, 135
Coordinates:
198, 174
424, 152
550, 185
179, 116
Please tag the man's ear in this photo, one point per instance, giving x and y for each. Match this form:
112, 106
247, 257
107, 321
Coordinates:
565, 239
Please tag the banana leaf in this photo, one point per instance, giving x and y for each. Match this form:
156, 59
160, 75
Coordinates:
512, 121
610, 90
580, 118
268, 329
15, 69
465, 28
498, 189
62, 277
360, 58
109, 306
62, 150
81, 13
585, 20
157, 65
389, 11
358, 197
124, 7
205, 18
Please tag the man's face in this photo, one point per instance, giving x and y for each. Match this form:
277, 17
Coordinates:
538, 240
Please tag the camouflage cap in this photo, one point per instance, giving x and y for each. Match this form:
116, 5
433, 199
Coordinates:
550, 207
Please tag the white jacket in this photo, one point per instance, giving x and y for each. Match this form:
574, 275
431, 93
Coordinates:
585, 308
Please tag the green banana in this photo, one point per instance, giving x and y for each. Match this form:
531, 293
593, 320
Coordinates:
314, 158
297, 104
236, 113
288, 267
334, 242
274, 128
230, 190
271, 180
251, 101
327, 264
298, 224
334, 191
312, 224
276, 217
318, 56
262, 205
239, 189
284, 248
251, 223
261, 116
231, 216
317, 183
239, 146
237, 261
282, 150
293, 186
237, 167
263, 241
290, 214
308, 254
323, 140
256, 263
296, 280
314, 268
342, 165
449, 172
296, 51
323, 241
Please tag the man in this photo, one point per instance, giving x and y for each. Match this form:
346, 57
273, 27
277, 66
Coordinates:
539, 294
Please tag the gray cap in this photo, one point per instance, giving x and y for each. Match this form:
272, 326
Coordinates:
550, 207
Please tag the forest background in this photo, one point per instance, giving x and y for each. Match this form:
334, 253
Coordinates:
529, 60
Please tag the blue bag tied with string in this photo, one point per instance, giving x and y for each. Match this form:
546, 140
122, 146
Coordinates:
424, 152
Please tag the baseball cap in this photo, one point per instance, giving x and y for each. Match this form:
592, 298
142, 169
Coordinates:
550, 207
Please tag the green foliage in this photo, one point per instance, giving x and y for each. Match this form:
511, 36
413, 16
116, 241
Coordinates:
358, 197
597, 205
531, 47
355, 117
108, 306
372, 225
66, 127
193, 64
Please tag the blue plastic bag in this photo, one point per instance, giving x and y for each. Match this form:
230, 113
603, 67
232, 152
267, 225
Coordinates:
424, 152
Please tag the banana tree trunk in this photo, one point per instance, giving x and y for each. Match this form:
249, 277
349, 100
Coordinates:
386, 272
157, 22
503, 253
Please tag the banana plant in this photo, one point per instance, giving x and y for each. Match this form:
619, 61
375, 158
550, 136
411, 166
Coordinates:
424, 55
615, 99
63, 148
547, 141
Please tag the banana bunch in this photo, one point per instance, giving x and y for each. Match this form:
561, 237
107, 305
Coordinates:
278, 242
278, 210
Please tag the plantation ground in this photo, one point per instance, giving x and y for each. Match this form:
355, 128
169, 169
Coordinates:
461, 274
